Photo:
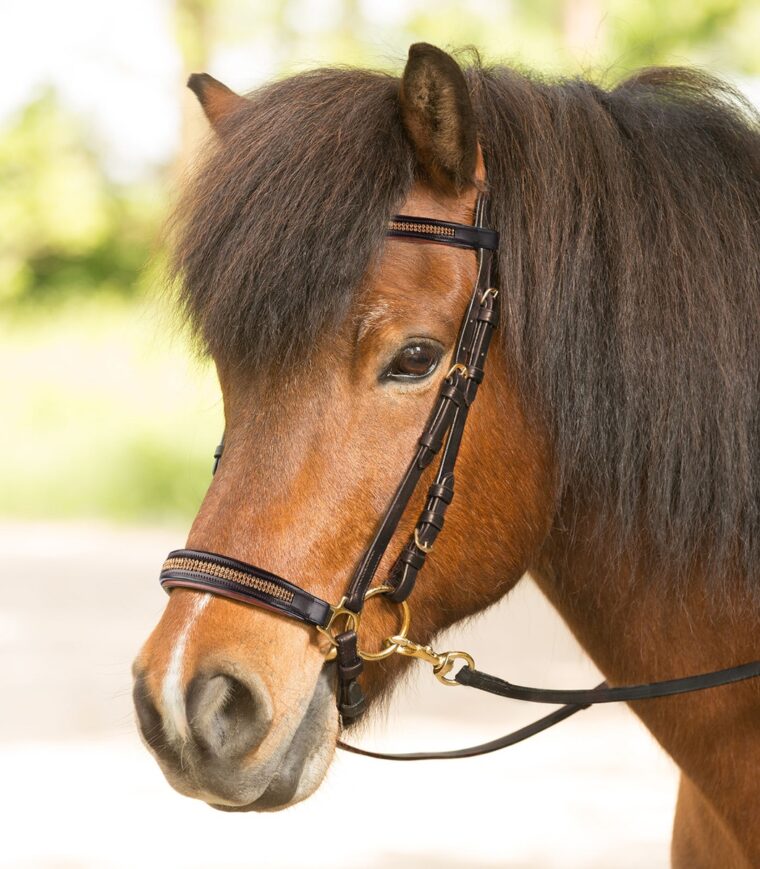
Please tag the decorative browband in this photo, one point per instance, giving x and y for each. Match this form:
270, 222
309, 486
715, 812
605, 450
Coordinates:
454, 234
205, 571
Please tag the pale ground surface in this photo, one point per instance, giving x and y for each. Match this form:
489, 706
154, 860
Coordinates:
79, 790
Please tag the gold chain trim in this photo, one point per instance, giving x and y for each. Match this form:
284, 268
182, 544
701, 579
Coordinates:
222, 572
430, 228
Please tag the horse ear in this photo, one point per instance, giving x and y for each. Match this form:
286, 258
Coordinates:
216, 99
438, 117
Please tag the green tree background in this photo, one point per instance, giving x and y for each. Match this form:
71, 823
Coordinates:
105, 411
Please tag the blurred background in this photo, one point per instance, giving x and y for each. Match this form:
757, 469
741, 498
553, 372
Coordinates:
108, 420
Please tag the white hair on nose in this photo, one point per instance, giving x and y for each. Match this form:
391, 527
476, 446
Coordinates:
175, 720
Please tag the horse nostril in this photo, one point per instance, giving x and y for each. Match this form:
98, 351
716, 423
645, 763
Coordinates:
226, 716
148, 715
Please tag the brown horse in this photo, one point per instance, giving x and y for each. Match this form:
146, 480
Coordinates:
614, 452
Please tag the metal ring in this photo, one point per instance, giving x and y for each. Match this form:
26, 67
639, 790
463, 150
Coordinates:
442, 672
389, 647
352, 624
491, 291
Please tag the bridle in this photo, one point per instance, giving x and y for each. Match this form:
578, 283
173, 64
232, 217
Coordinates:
340, 623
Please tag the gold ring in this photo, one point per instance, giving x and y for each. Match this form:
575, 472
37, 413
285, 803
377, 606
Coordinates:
406, 618
449, 658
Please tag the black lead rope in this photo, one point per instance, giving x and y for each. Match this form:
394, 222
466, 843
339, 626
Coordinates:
604, 694
505, 741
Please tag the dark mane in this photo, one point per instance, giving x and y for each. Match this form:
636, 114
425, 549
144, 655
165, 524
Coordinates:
629, 268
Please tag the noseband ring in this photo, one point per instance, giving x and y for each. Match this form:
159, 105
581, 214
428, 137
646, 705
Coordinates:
227, 577
353, 621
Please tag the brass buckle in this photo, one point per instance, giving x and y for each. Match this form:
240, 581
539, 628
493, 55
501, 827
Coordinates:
460, 367
420, 544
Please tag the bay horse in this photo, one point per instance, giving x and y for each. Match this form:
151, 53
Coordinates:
613, 454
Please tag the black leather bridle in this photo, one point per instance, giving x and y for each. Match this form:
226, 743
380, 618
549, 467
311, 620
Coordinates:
227, 577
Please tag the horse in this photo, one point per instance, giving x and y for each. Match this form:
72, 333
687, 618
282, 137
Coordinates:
613, 453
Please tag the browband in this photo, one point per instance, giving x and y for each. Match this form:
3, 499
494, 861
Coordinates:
443, 232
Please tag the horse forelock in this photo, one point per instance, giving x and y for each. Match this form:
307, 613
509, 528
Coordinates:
287, 211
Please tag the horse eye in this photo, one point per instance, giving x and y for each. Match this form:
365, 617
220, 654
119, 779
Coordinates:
413, 362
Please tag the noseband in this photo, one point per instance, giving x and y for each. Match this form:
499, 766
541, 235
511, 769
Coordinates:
339, 623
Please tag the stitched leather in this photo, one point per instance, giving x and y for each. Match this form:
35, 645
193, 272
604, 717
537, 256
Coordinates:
603, 694
351, 699
452, 234
206, 571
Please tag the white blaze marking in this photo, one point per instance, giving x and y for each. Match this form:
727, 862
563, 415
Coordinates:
175, 720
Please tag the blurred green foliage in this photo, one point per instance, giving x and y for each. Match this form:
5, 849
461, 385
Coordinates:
67, 229
103, 414
106, 413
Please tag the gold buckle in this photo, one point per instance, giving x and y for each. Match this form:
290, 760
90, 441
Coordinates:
460, 367
420, 544
441, 662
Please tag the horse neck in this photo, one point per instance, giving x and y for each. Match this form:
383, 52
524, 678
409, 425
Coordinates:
636, 631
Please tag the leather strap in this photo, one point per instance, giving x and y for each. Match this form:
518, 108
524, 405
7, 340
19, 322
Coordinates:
456, 391
603, 694
351, 699
482, 319
475, 237
476, 750
228, 577
574, 702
